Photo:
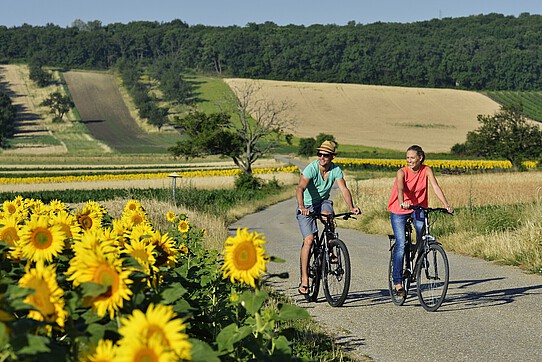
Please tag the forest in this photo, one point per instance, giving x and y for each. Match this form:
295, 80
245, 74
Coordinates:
482, 52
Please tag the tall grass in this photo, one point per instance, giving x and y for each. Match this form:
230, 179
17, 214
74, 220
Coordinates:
498, 216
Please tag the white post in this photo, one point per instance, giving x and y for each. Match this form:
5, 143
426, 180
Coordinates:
174, 176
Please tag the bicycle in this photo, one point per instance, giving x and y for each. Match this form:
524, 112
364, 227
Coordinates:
424, 262
329, 261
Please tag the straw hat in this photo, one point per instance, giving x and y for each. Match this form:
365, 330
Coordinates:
328, 146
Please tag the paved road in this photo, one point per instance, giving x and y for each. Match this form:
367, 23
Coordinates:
491, 313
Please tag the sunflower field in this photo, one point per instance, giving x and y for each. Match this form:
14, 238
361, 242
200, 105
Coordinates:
442, 165
80, 285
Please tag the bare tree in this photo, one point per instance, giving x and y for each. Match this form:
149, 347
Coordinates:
260, 119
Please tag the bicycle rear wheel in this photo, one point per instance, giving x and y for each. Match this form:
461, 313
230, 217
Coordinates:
337, 275
314, 273
397, 299
432, 275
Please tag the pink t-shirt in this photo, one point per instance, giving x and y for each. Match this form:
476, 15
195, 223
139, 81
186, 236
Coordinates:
414, 189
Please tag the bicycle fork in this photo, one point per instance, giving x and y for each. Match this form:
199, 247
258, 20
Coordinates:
427, 264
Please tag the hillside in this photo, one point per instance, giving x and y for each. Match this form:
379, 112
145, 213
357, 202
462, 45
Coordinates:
104, 112
379, 116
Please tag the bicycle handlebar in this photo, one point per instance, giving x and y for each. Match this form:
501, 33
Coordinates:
344, 215
430, 209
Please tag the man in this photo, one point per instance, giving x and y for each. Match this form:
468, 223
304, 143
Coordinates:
312, 195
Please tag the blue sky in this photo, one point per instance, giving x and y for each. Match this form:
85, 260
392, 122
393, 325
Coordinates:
241, 12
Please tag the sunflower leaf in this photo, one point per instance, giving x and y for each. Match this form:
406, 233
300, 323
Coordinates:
253, 301
173, 293
289, 312
230, 335
202, 352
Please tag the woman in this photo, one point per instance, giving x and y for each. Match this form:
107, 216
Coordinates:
410, 188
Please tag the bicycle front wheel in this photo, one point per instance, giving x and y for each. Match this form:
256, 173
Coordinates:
432, 276
336, 273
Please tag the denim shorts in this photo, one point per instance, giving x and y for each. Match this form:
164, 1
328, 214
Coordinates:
307, 224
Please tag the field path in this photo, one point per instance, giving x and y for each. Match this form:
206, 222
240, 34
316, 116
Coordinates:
491, 312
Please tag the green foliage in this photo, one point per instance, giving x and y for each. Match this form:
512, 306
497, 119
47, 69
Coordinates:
205, 134
531, 102
490, 51
246, 181
7, 118
506, 134
59, 105
307, 147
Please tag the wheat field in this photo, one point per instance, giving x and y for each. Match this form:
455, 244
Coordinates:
378, 116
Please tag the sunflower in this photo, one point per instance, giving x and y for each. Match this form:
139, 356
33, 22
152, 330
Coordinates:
11, 208
183, 250
137, 350
89, 218
105, 270
39, 241
244, 257
170, 216
133, 205
68, 222
143, 252
9, 230
48, 298
166, 252
134, 218
55, 206
105, 352
159, 323
183, 226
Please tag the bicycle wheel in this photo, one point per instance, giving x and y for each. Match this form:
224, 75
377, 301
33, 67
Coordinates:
336, 275
314, 273
432, 275
396, 299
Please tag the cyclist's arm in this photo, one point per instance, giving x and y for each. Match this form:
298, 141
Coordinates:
400, 184
347, 195
301, 186
438, 190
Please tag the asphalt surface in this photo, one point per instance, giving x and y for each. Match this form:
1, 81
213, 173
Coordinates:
491, 312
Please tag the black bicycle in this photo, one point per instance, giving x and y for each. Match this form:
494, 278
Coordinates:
329, 261
424, 262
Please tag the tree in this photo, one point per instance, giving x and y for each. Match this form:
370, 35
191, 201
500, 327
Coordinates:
253, 133
307, 146
506, 134
59, 105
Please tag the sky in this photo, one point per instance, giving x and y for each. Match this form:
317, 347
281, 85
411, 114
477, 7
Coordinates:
242, 12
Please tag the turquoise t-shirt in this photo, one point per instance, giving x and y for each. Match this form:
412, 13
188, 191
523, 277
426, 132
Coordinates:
318, 189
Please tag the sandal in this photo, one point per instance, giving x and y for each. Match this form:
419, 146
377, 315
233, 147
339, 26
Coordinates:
303, 289
400, 292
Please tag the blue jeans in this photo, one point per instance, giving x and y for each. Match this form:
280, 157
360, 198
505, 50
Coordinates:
398, 223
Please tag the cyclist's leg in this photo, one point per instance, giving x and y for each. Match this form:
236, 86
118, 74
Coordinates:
398, 222
418, 218
308, 228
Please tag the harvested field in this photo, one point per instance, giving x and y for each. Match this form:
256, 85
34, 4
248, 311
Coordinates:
378, 116
30, 122
102, 109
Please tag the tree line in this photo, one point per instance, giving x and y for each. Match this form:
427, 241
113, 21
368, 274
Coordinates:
489, 52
